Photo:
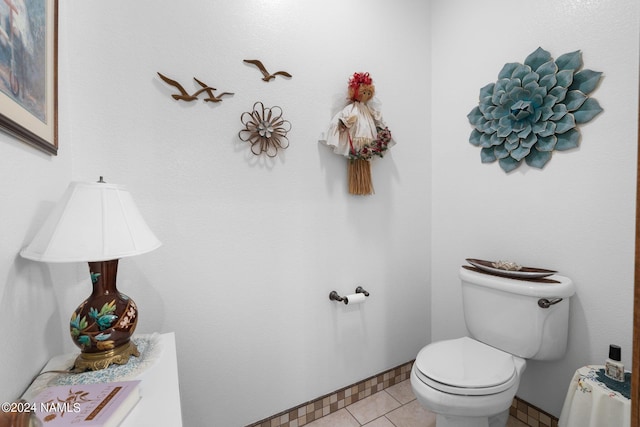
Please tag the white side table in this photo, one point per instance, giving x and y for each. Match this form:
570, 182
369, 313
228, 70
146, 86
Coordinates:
160, 402
591, 402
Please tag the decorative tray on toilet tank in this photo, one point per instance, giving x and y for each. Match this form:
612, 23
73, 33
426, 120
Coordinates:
509, 269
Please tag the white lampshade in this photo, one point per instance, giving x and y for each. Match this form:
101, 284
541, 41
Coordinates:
92, 222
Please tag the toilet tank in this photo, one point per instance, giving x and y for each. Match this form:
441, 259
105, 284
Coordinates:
504, 313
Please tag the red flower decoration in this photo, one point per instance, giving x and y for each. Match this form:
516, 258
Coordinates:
359, 79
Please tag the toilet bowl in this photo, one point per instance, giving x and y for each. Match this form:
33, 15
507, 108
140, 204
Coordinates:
466, 382
471, 381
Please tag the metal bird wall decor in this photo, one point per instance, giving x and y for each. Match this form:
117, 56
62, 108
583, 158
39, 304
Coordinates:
265, 128
267, 76
183, 95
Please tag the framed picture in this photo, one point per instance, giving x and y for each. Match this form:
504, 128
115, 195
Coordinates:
28, 71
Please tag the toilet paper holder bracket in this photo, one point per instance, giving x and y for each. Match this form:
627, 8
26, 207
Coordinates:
334, 296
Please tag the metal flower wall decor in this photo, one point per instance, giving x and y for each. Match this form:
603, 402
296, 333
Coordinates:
533, 109
265, 129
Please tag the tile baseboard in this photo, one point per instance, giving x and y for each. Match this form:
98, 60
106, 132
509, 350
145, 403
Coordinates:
333, 402
531, 415
314, 409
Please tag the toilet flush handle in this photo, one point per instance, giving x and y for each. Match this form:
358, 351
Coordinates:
546, 303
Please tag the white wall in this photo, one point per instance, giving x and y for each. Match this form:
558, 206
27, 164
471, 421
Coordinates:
29, 310
252, 247
577, 214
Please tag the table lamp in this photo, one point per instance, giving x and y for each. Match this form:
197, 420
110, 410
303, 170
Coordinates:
97, 223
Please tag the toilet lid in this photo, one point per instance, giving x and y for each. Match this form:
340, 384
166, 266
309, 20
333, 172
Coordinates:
466, 366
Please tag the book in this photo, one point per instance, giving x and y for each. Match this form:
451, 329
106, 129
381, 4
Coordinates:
86, 405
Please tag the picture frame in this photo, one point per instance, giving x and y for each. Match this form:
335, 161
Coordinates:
29, 72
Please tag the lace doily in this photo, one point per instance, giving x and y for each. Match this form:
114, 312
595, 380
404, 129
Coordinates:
149, 348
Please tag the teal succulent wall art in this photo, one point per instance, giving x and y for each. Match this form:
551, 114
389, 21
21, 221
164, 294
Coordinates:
533, 109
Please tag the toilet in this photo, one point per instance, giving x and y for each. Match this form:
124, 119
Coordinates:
471, 381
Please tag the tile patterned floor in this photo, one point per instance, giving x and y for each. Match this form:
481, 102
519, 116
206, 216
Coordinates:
395, 406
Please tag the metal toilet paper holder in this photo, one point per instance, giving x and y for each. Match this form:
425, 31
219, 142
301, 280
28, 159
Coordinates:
333, 296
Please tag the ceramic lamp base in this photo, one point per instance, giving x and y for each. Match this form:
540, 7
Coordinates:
101, 360
103, 324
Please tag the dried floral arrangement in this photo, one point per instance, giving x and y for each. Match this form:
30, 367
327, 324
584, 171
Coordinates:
359, 133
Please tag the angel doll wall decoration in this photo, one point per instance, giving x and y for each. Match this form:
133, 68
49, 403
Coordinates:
359, 133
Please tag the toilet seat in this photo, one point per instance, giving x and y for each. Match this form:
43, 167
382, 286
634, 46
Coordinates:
464, 366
